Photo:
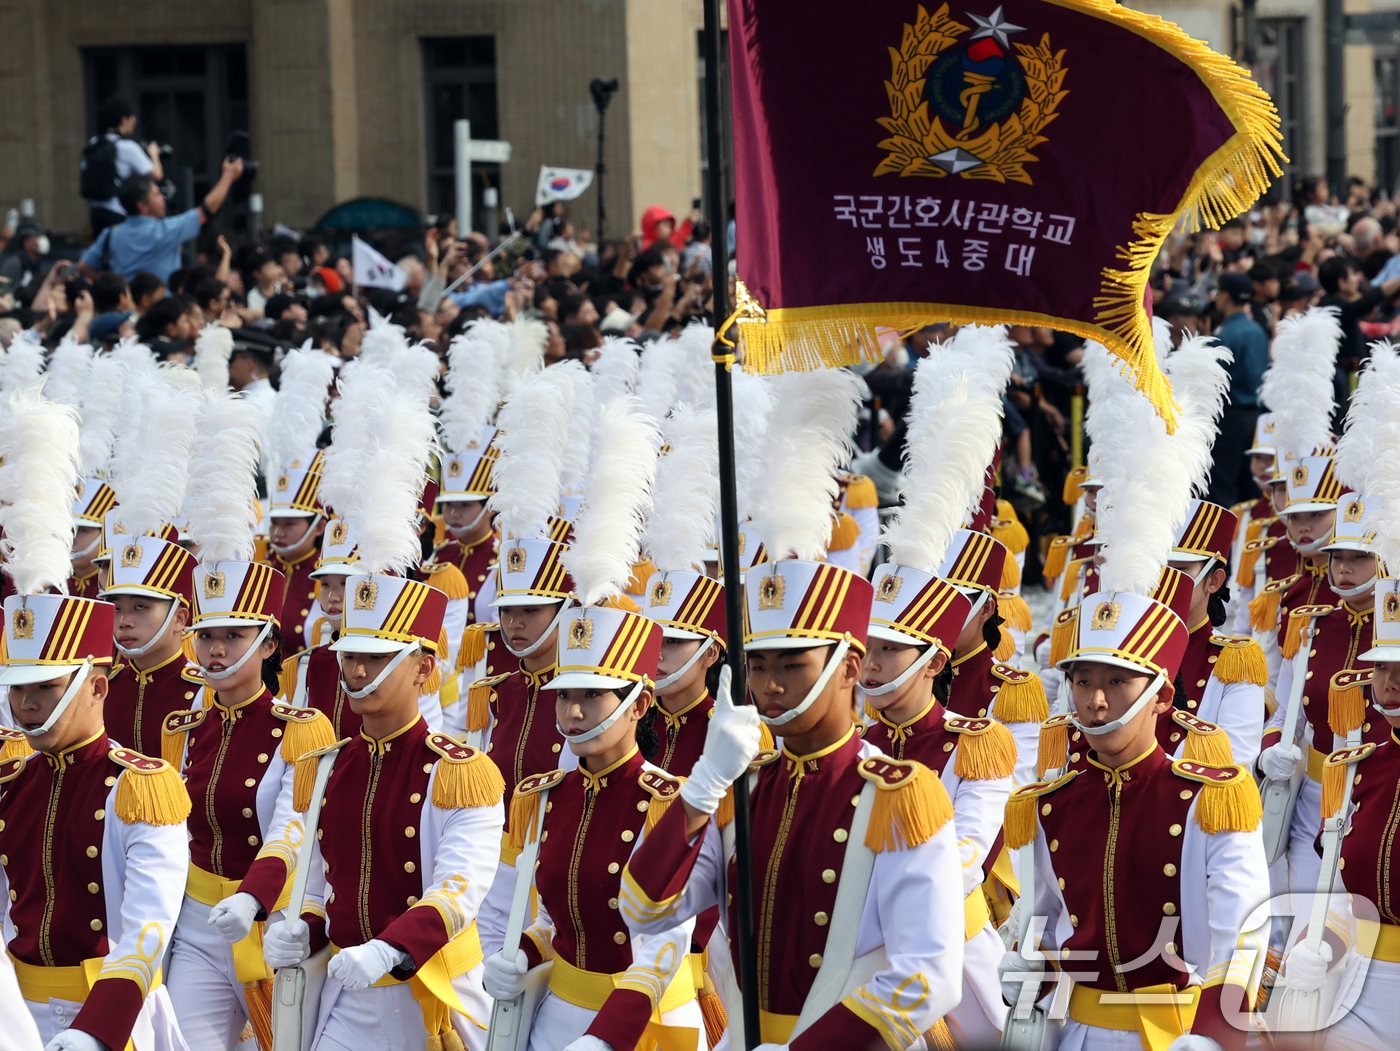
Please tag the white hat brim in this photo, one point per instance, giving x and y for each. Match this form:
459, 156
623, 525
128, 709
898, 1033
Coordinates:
524, 600
456, 497
229, 622
1100, 658
788, 642
585, 680
135, 589
368, 644
1260, 450
668, 632
880, 631
339, 569
1349, 545
27, 674
1385, 653
1304, 506
290, 512
1179, 555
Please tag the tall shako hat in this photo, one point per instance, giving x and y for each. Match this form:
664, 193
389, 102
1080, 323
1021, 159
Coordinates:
465, 425
1208, 533
340, 554
115, 533
298, 417
469, 474
1297, 386
1377, 399
45, 635
1312, 484
1264, 436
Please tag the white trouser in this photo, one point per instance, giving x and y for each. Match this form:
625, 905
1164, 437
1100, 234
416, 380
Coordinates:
388, 1018
495, 910
155, 1030
977, 1020
207, 994
1304, 866
559, 1023
1371, 1023
19, 1031
1077, 1036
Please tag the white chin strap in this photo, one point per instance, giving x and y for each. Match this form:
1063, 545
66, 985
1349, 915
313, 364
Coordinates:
289, 548
679, 673
79, 677
90, 548
1132, 713
399, 658
1310, 546
1391, 712
137, 651
461, 531
1361, 589
607, 724
976, 605
219, 676
842, 648
922, 662
564, 607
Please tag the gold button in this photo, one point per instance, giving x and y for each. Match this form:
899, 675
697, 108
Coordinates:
1074, 757
544, 835
412, 900
948, 746
1186, 793
1341, 863
840, 835
410, 832
1356, 780
305, 612
110, 781
620, 938
555, 747
98, 815
427, 768
92, 852
1169, 948
549, 807
641, 804
612, 903
828, 875
96, 925
1074, 921
1045, 808
1062, 883
417, 797
1074, 736
1169, 869
628, 835
1176, 737
321, 832
250, 782
815, 959
1306, 702
1190, 704
1366, 727
491, 747
189, 695
262, 757
982, 712
1200, 682
822, 919
277, 731
1054, 845
1312, 653
409, 866
1309, 675
93, 888
614, 868
1169, 909
1211, 658
252, 841
1175, 830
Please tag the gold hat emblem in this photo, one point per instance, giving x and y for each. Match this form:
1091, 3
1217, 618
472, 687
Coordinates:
117, 527
1353, 511
214, 585
889, 587
339, 532
82, 487
1300, 476
366, 594
661, 593
770, 591
131, 556
581, 634
23, 624
516, 560
283, 481
1390, 608
454, 468
1106, 616
743, 543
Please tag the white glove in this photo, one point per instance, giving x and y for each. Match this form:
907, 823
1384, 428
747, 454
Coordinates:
1051, 678
505, 978
286, 944
1279, 761
1193, 1042
1014, 963
234, 916
75, 1040
363, 965
772, 1047
589, 1043
1305, 970
732, 740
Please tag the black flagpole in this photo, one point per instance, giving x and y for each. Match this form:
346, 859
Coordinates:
729, 512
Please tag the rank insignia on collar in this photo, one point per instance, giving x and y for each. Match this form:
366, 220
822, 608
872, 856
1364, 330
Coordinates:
23, 624
366, 594
1106, 616
888, 589
581, 634
661, 593
770, 591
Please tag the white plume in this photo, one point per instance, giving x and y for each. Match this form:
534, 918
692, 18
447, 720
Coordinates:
577, 451
299, 408
68, 368
151, 470
527, 339
101, 411
383, 340
752, 396
534, 429
952, 437
373, 472
417, 369
223, 495
686, 502
658, 378
212, 351
22, 364
808, 442
607, 539
697, 368
497, 336
1200, 381
1298, 385
472, 386
615, 369
1370, 445
37, 485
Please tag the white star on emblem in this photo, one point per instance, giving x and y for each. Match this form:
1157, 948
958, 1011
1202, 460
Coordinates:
995, 27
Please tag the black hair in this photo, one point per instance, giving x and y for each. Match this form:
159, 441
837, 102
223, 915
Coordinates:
112, 112
712, 672
1215, 605
1331, 273
165, 311
208, 290
648, 737
272, 666
143, 283
134, 190
991, 627
943, 684
107, 289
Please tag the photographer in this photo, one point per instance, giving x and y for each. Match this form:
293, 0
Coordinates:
148, 240
112, 157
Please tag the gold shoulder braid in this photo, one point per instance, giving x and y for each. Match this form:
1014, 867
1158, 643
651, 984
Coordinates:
14, 744
911, 804
149, 791
173, 730
1053, 750
1021, 698
986, 749
1334, 776
664, 790
1205, 742
1020, 826
1240, 660
464, 777
307, 730
448, 579
1228, 800
525, 804
480, 694
304, 778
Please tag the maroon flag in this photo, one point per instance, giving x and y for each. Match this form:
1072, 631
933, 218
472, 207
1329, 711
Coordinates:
1016, 162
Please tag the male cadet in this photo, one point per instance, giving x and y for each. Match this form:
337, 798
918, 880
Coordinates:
472, 541
296, 521
94, 499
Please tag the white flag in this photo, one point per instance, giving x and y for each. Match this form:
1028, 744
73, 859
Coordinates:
561, 184
372, 270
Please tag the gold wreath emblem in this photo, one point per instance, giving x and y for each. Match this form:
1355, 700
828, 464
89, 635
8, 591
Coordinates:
516, 560
1106, 616
1300, 476
23, 624
1354, 510
454, 468
131, 556
339, 532
1390, 608
889, 587
1003, 149
214, 585
366, 594
581, 634
771, 590
661, 593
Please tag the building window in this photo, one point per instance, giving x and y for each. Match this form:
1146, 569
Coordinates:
459, 82
1280, 72
193, 99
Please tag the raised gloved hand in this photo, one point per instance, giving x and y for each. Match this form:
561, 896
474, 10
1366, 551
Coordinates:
363, 965
1279, 761
1305, 970
589, 1043
234, 916
1011, 965
1193, 1042
505, 978
75, 1040
286, 944
732, 740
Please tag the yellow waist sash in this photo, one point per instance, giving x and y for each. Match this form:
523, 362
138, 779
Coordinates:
42, 984
508, 853
591, 989
976, 913
209, 889
1387, 945
432, 983
1158, 1013
1315, 761
775, 1028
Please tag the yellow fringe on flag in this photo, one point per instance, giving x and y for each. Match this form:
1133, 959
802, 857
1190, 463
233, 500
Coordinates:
985, 756
448, 579
287, 677
473, 646
844, 532
1006, 648
1230, 806
1071, 492
1063, 635
908, 813
1210, 748
1334, 783
1020, 826
258, 998
1053, 750
1263, 610
1056, 556
1014, 611
1346, 702
155, 797
472, 782
1010, 574
1021, 702
1249, 560
14, 748
1293, 634
300, 736
1242, 660
524, 811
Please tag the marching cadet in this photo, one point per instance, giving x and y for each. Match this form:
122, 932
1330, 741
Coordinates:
296, 523
95, 498
93, 848
472, 540
1255, 517
237, 753
409, 835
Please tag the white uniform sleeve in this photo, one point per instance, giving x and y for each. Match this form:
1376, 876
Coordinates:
460, 865
703, 888
1241, 716
978, 807
156, 860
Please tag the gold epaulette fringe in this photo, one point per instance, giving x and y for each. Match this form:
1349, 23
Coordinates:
1021, 698
524, 811
1063, 634
1264, 608
1070, 584
1334, 776
1346, 700
984, 754
1228, 800
473, 646
13, 745
153, 796
1070, 493
1020, 825
1206, 743
1014, 611
1293, 634
301, 735
479, 696
712, 1010
1249, 561
287, 677
1010, 574
911, 804
1052, 753
1006, 644
724, 813
1056, 557
860, 492
1241, 660
448, 579
472, 782
187, 647
1007, 528
303, 781
844, 532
